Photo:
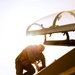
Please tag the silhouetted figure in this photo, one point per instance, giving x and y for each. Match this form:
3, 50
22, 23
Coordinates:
30, 55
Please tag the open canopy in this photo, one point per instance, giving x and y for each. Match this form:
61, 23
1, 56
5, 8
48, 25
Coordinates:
62, 22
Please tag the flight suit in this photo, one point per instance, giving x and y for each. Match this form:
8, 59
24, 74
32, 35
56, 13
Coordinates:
25, 59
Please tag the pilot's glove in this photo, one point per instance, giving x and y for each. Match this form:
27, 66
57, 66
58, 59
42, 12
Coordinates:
40, 68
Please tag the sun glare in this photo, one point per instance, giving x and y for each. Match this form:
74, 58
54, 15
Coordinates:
34, 39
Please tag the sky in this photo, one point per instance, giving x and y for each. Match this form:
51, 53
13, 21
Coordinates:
15, 17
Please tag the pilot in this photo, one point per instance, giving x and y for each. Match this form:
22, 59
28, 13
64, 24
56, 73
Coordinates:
32, 54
